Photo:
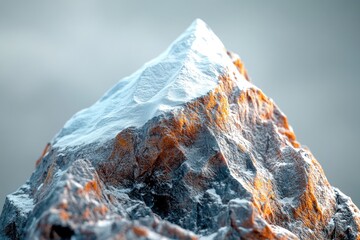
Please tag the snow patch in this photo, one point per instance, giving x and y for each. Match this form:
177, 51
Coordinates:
208, 237
287, 200
214, 194
22, 200
239, 201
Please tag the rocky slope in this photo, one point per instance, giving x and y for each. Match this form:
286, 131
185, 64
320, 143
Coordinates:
185, 148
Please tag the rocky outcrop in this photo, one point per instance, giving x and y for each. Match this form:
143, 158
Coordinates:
186, 148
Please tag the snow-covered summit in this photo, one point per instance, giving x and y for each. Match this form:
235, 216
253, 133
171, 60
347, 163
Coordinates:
188, 69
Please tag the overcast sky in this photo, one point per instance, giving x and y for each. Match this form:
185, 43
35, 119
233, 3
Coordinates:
57, 57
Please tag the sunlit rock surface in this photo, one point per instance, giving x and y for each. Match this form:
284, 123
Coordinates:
185, 148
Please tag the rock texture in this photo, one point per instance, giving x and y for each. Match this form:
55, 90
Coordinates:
185, 148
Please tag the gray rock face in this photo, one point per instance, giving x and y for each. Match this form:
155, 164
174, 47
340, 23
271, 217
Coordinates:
201, 161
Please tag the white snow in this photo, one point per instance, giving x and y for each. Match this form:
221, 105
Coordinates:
212, 192
287, 201
40, 186
188, 69
239, 201
22, 200
208, 237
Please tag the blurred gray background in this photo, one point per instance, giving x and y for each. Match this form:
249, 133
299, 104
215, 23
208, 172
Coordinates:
57, 57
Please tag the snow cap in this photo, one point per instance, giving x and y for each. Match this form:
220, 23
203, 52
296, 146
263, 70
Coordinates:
188, 69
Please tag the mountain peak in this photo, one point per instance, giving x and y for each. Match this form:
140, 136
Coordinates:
185, 148
188, 69
199, 24
199, 27
199, 38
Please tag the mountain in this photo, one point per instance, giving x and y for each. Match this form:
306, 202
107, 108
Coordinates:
185, 148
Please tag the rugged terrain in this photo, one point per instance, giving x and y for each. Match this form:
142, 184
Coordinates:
185, 148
